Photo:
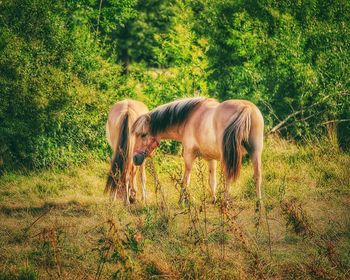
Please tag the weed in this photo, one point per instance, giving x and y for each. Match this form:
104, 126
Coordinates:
71, 230
296, 217
27, 273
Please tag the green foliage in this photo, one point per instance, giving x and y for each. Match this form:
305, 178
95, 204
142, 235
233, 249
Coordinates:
154, 223
64, 63
286, 56
133, 242
54, 86
136, 41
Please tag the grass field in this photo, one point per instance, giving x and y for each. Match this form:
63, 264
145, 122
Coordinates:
59, 224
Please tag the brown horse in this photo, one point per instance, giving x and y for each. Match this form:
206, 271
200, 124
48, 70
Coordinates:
122, 177
206, 128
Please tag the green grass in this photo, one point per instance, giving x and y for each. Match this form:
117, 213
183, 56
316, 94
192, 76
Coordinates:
59, 223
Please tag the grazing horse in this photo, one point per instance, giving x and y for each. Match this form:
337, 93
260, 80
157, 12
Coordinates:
122, 175
206, 128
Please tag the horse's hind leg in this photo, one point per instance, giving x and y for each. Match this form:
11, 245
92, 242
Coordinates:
256, 159
255, 147
212, 178
255, 151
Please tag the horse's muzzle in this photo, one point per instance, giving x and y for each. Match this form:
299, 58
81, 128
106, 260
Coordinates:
138, 158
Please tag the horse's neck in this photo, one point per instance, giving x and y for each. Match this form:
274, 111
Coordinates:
173, 133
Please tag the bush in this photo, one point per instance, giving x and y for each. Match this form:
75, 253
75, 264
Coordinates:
55, 87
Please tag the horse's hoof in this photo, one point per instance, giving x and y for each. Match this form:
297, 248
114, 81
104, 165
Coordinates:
258, 206
225, 205
183, 202
144, 196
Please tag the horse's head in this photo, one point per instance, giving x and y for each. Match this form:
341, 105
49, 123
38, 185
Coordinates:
145, 143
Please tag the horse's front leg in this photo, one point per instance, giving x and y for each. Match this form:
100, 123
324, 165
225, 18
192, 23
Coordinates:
212, 178
133, 190
127, 189
143, 180
188, 158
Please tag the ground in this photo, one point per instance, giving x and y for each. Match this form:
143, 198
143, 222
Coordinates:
59, 224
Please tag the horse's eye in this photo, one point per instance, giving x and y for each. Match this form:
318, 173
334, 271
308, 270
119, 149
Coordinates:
143, 135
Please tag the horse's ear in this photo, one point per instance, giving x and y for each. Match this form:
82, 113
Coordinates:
141, 124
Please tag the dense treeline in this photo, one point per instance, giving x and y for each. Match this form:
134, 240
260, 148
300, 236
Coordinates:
63, 63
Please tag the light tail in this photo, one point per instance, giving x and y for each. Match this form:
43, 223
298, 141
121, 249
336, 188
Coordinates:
120, 161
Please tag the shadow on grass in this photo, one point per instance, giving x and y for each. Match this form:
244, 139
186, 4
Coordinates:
72, 207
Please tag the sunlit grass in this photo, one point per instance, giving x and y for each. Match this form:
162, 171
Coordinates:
59, 223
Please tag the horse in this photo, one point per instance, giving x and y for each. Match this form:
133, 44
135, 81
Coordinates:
122, 176
209, 129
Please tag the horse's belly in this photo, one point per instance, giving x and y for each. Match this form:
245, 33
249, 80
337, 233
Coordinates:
210, 156
207, 144
204, 133
209, 150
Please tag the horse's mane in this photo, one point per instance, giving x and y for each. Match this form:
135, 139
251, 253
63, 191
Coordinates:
174, 113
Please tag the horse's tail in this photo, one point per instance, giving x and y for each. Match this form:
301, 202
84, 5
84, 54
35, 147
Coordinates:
121, 158
235, 134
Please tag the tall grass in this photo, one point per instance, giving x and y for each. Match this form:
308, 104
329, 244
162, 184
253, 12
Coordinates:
58, 224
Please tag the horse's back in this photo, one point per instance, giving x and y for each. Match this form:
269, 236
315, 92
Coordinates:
138, 107
200, 133
127, 105
118, 110
231, 109
204, 130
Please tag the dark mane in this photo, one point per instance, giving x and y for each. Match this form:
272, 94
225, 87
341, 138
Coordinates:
174, 113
